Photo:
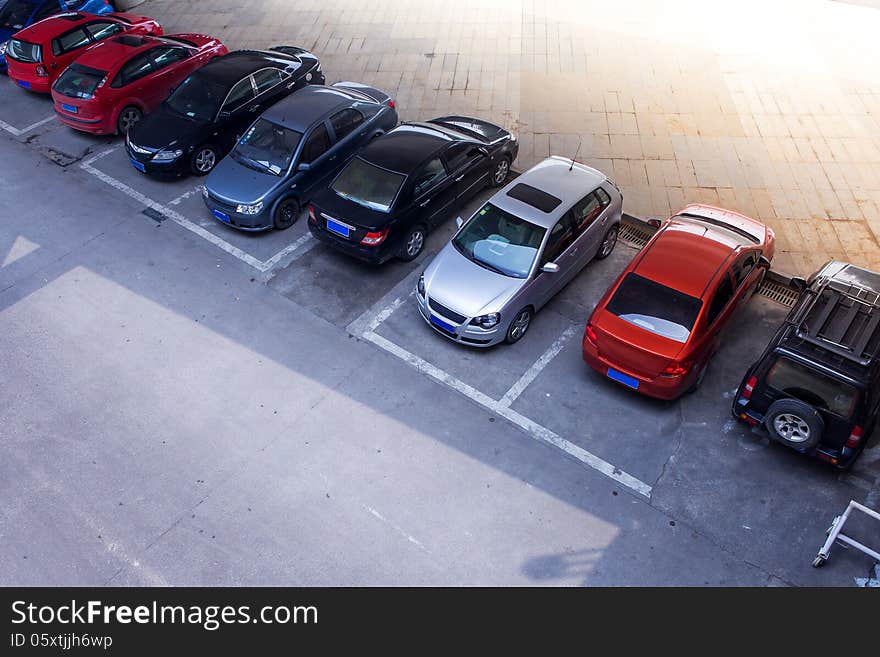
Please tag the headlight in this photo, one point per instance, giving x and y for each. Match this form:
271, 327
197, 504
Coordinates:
167, 156
249, 209
421, 286
487, 321
3, 47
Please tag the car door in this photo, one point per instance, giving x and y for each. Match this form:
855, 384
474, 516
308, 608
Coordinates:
169, 72
235, 114
721, 306
67, 47
469, 165
559, 249
133, 80
587, 215
270, 87
434, 192
318, 155
349, 128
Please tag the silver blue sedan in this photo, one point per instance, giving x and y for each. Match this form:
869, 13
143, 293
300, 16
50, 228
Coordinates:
517, 251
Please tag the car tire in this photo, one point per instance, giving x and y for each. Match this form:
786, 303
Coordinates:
127, 119
413, 244
501, 172
519, 326
609, 241
203, 160
794, 423
286, 213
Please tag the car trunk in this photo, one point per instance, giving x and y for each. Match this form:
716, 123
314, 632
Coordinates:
334, 214
634, 349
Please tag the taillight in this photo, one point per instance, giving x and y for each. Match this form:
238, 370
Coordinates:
312, 216
590, 334
41, 71
749, 387
676, 368
375, 238
854, 438
391, 103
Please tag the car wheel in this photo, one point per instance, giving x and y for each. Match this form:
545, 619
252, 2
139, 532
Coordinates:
501, 172
794, 423
413, 244
519, 326
608, 243
203, 160
128, 117
286, 214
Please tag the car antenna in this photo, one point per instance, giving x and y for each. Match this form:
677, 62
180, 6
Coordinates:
575, 154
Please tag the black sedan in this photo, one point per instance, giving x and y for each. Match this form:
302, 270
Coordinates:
204, 117
385, 201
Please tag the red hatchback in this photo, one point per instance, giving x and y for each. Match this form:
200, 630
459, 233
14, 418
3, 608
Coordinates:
657, 326
113, 84
39, 54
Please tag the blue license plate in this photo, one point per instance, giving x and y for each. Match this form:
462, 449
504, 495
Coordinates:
449, 328
69, 108
338, 228
24, 83
620, 377
137, 165
222, 217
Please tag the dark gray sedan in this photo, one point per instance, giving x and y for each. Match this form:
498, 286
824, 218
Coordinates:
292, 151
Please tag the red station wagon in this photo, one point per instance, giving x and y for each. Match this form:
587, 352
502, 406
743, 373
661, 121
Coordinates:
113, 84
39, 54
656, 328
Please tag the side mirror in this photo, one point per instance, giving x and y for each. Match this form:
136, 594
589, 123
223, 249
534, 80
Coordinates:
654, 222
459, 222
484, 150
764, 262
798, 284
550, 268
303, 166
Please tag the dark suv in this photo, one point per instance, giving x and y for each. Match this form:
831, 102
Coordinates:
815, 386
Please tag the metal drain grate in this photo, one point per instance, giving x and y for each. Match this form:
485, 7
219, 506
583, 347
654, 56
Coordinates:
778, 292
634, 235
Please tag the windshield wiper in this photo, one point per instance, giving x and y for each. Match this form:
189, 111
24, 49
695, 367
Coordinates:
256, 165
489, 266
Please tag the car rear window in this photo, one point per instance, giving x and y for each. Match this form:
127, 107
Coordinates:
655, 307
368, 185
812, 386
79, 81
22, 51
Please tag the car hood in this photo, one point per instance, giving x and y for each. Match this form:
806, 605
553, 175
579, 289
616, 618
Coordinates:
237, 183
166, 129
465, 286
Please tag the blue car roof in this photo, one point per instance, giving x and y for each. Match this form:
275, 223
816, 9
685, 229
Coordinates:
311, 104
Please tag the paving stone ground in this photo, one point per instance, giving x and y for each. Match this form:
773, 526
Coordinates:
771, 108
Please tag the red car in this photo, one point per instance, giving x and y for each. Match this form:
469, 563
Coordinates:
114, 83
657, 326
39, 54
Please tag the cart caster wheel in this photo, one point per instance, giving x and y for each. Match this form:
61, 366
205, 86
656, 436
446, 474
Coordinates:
818, 562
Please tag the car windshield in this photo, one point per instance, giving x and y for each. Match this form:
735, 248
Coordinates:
15, 14
23, 51
197, 98
811, 386
79, 81
655, 307
267, 147
368, 185
499, 241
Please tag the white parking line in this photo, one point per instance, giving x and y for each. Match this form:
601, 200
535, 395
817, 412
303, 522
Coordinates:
286, 255
532, 373
180, 199
18, 132
533, 429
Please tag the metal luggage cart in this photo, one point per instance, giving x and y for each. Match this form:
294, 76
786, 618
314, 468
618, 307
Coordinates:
835, 534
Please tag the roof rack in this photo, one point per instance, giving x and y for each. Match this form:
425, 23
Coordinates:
842, 318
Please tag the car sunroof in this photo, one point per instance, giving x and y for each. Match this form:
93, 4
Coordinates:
535, 197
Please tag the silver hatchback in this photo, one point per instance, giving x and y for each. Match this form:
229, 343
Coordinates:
517, 251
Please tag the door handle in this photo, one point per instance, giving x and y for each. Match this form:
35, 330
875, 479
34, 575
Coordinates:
253, 108
459, 179
425, 203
